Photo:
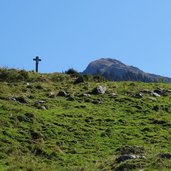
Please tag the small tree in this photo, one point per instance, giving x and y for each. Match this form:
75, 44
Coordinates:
72, 72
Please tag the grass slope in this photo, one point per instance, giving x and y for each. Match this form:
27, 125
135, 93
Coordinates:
42, 131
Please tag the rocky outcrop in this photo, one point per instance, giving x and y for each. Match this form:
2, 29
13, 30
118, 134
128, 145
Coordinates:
99, 90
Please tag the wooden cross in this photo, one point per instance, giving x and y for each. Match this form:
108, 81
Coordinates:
37, 59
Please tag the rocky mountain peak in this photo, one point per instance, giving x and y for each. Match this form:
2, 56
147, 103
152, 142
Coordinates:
115, 70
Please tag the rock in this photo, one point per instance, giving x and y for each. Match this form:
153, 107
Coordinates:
138, 95
13, 99
86, 95
113, 95
79, 80
51, 95
125, 157
70, 98
164, 155
99, 90
152, 99
41, 101
155, 94
43, 107
21, 99
62, 93
26, 84
97, 101
160, 91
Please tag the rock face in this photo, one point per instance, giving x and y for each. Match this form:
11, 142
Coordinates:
115, 70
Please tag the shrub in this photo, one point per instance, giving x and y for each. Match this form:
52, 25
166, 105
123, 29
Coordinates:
98, 78
11, 75
88, 77
72, 72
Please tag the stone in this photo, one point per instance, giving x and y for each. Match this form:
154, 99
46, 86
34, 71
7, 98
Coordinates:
155, 94
86, 95
152, 99
125, 157
70, 98
97, 101
160, 91
51, 95
62, 93
113, 95
164, 155
27, 84
43, 107
99, 90
21, 99
41, 101
138, 95
13, 99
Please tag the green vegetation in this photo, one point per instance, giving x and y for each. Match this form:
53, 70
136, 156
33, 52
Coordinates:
49, 123
72, 72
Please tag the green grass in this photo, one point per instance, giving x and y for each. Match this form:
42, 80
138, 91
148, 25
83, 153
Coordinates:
85, 133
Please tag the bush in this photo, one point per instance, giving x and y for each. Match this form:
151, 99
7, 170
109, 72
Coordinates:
72, 72
88, 77
98, 78
13, 75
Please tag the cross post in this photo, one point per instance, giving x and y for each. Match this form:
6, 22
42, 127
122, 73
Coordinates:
37, 59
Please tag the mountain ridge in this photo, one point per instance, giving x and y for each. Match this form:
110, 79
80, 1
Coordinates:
115, 70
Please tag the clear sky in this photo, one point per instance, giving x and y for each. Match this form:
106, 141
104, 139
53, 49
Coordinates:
71, 33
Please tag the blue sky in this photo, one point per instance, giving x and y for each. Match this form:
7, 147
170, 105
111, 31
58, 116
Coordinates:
72, 33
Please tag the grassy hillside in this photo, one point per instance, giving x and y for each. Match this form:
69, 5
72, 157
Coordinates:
47, 122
